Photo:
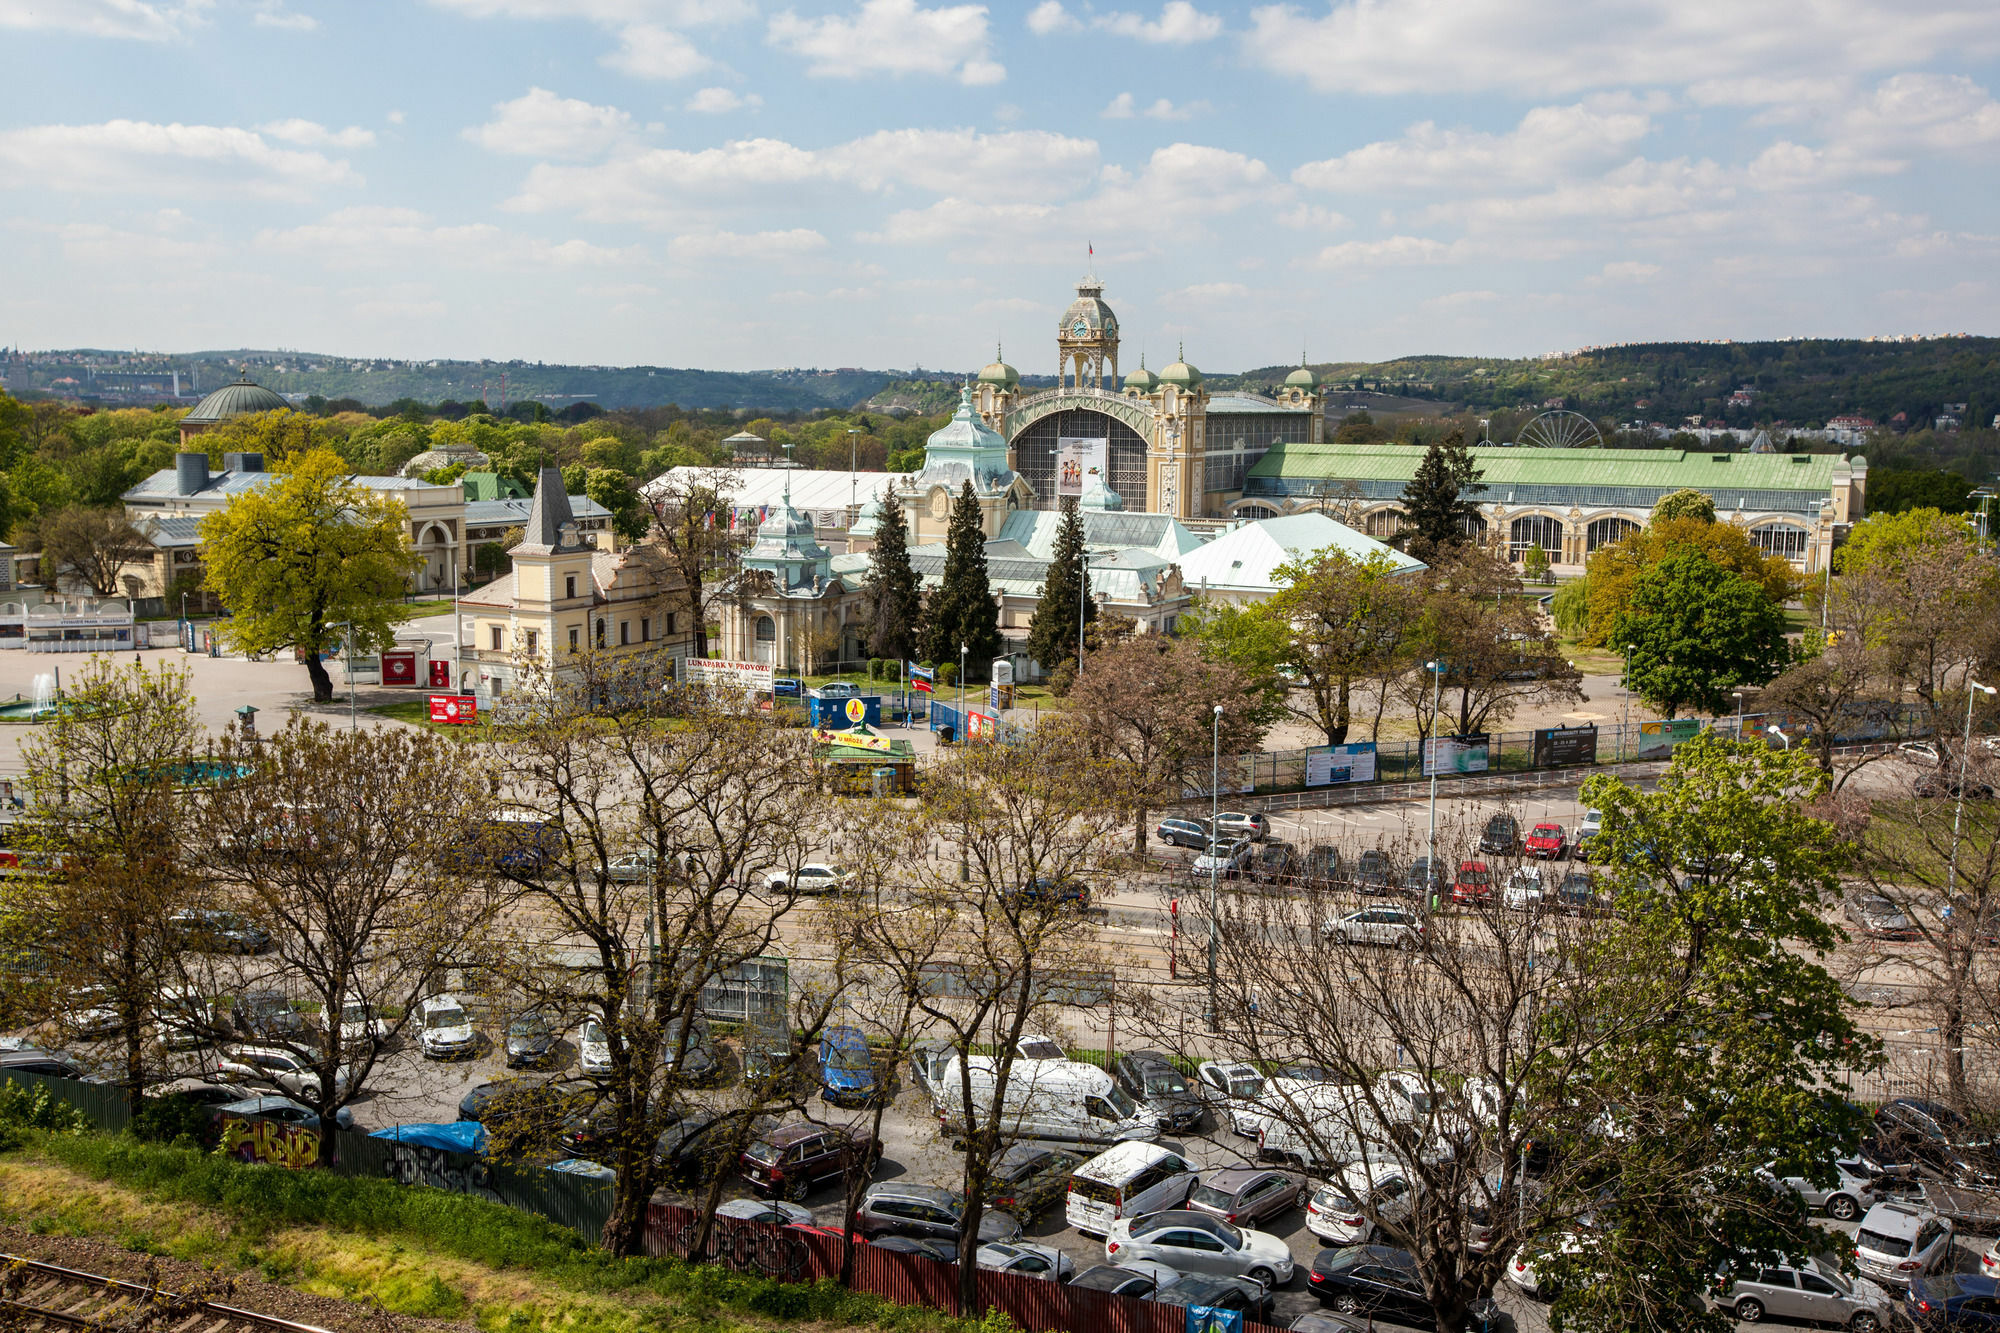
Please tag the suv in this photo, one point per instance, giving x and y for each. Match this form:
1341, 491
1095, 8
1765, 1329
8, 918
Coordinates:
1813, 1291
1182, 833
1502, 835
849, 1072
1151, 1079
1277, 863
1423, 878
1226, 859
1237, 824
444, 1029
1321, 866
1940, 1138
1372, 872
1854, 1189
791, 1159
267, 1013
1899, 1242
926, 1212
1336, 1212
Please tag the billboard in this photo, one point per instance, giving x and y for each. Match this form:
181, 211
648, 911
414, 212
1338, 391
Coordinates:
1658, 740
454, 709
1455, 754
1077, 459
1563, 747
1330, 765
399, 667
726, 675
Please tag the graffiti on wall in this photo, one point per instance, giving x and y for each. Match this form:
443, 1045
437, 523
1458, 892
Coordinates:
415, 1164
270, 1142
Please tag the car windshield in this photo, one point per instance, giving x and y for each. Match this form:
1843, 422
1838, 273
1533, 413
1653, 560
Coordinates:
1245, 1085
1834, 1276
528, 1025
452, 1017
264, 1006
1212, 1196
1121, 1103
354, 1011
765, 1151
1896, 1247
593, 1032
1334, 1198
853, 1058
1164, 1082
1040, 1048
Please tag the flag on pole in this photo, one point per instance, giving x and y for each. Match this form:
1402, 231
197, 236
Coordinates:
921, 678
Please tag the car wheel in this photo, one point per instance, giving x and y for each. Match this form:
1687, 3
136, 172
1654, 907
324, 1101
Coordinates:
1749, 1310
1263, 1277
1842, 1208
797, 1188
1864, 1321
1346, 1303
1303, 1197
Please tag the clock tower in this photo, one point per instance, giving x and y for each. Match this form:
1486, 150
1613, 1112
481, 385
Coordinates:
1087, 340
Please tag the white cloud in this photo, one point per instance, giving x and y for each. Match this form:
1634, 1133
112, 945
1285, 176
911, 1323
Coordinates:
99, 246
761, 246
1011, 164
649, 51
132, 19
1179, 24
394, 117
376, 237
1050, 17
1392, 252
1932, 112
1419, 46
540, 124
1120, 108
1551, 142
1628, 271
1311, 217
1123, 107
273, 14
611, 13
1462, 300
1206, 293
716, 101
312, 134
892, 37
132, 156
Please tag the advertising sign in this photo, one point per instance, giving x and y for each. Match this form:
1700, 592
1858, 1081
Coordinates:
999, 697
921, 678
1077, 460
1657, 740
1331, 765
857, 711
1563, 747
852, 741
1455, 754
727, 675
399, 667
455, 709
981, 726
440, 675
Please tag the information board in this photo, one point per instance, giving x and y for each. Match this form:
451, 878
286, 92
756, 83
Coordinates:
1331, 765
1563, 747
726, 675
1455, 754
454, 709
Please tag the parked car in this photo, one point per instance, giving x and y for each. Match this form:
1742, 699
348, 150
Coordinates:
775, 1212
211, 930
1338, 1210
1578, 895
791, 1159
1055, 892
1216, 1292
1941, 1139
1027, 1259
1391, 927
1473, 884
358, 1023
895, 1208
1524, 890
812, 877
593, 1047
1226, 860
539, 1110
272, 1067
698, 1063
1193, 1242
268, 1014
283, 1110
929, 1247
849, 1073
1813, 1291
1853, 1191
1501, 836
1546, 841
839, 689
1525, 1269
1321, 864
1182, 833
1136, 1280
1372, 873
1588, 830
50, 1064
533, 1038
787, 687
1879, 917
1919, 752
1380, 1280
90, 1014
184, 1020
1423, 879
1319, 1321
1125, 1181
444, 1029
1028, 1179
699, 1141
1248, 1195
1152, 1080
1237, 824
1899, 1242
1953, 1301
635, 868
931, 1063
1277, 863
1233, 1090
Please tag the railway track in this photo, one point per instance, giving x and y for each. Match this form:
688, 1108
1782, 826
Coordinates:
37, 1297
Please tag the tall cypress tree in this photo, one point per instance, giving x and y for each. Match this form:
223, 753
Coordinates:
962, 610
1433, 501
895, 595
1052, 634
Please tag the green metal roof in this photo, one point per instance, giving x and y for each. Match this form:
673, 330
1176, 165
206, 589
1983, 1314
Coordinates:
1665, 469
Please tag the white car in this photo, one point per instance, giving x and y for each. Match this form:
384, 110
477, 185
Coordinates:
1192, 1242
1234, 1090
1921, 752
593, 1048
1337, 1213
267, 1066
91, 1013
632, 868
1989, 1262
358, 1024
1391, 927
444, 1029
182, 1018
812, 877
1521, 1268
1524, 890
1028, 1259
1223, 860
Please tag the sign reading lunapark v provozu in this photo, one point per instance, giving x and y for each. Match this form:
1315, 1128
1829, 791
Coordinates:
725, 674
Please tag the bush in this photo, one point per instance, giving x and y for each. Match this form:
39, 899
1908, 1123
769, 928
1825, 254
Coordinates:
22, 1108
1063, 679
947, 673
1571, 609
177, 1119
874, 668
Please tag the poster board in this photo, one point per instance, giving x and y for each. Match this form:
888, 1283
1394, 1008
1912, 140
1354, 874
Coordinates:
1332, 765
1456, 754
725, 674
1077, 459
1565, 747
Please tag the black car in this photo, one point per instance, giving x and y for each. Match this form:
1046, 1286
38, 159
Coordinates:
699, 1142
1372, 873
698, 1063
1422, 878
1056, 892
1321, 864
1502, 836
1117, 1281
1152, 1080
267, 1014
1379, 1280
1578, 894
211, 931
1030, 1179
1940, 1139
1220, 1293
1277, 863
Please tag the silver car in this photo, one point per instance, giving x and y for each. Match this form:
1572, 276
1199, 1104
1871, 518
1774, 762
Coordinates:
1901, 1241
1810, 1290
1391, 927
1192, 1242
1852, 1192
1223, 859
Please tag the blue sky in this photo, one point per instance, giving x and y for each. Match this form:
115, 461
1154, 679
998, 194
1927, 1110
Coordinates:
744, 184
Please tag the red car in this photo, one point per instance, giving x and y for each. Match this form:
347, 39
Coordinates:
1474, 883
1547, 841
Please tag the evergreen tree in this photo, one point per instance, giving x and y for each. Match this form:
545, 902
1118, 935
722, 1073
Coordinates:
1052, 634
1432, 502
895, 595
962, 610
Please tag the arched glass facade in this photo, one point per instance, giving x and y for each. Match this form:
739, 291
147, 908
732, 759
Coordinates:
1607, 532
1780, 539
1385, 523
1035, 454
1535, 530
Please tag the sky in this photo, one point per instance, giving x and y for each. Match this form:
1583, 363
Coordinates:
753, 184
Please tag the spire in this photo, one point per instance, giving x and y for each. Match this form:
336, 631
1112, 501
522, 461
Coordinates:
549, 516
1180, 350
787, 447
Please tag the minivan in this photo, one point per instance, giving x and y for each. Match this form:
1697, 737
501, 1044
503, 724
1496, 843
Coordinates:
1129, 1180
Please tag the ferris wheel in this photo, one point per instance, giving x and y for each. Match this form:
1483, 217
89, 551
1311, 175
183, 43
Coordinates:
1561, 430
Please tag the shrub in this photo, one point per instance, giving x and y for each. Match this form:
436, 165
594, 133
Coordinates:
874, 668
947, 673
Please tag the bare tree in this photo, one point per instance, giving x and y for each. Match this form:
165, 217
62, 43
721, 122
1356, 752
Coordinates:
90, 545
691, 529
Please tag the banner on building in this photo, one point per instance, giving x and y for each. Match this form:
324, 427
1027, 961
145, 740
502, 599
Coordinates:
1565, 747
1077, 460
726, 675
1658, 740
1331, 765
855, 740
454, 709
1456, 754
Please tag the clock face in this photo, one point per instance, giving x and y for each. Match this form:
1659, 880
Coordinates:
1080, 329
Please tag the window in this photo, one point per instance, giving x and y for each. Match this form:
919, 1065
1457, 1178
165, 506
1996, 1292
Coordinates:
672, 616
1776, 1277
1817, 1285
572, 638
533, 637
569, 585
1607, 532
1535, 530
1385, 523
1099, 1108
624, 632
497, 633
1193, 1240
600, 633
1473, 526
645, 628
1780, 539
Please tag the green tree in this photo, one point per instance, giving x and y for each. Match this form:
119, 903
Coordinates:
1685, 503
1054, 635
1343, 621
1612, 569
895, 593
1434, 506
612, 489
1696, 632
299, 560
1894, 490
1571, 609
962, 611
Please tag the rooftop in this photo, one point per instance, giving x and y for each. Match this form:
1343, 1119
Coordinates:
1246, 557
1666, 469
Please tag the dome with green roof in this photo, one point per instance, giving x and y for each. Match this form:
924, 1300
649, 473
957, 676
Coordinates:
234, 400
1000, 373
1181, 373
1303, 378
1141, 380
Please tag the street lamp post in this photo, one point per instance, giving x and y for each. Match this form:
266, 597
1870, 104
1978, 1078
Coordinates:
1436, 668
1625, 684
1214, 862
1964, 752
1739, 713
352, 725
965, 741
1779, 732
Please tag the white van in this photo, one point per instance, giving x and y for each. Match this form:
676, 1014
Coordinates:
1129, 1180
1325, 1126
1062, 1100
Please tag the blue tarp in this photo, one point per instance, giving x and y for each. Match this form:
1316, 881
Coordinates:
467, 1136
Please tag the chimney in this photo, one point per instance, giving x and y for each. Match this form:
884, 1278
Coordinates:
190, 473
243, 462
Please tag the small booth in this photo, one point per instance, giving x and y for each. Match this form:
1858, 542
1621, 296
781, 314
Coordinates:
840, 710
864, 763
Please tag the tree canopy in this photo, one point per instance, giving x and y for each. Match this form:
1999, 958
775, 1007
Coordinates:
1696, 631
895, 593
962, 612
1612, 569
1055, 635
1686, 502
1436, 510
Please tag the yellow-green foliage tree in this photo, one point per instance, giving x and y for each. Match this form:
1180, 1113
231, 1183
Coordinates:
299, 559
1613, 568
